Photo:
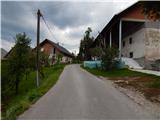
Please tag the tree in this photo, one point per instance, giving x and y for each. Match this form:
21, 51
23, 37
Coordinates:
85, 44
6, 80
96, 52
151, 9
44, 59
108, 58
18, 60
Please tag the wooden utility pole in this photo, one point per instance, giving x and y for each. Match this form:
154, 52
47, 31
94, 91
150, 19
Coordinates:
38, 36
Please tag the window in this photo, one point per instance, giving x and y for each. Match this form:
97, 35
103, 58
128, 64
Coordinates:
130, 40
123, 43
131, 54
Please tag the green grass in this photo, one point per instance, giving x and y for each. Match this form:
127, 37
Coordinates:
125, 73
29, 93
155, 84
115, 73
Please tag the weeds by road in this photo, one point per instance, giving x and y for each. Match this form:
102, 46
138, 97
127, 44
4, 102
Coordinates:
29, 94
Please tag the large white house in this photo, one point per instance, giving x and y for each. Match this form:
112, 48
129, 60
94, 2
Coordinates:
134, 35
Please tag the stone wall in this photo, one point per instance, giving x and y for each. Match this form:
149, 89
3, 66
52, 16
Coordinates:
152, 44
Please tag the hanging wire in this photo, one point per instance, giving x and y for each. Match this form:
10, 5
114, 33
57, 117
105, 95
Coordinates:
51, 32
49, 29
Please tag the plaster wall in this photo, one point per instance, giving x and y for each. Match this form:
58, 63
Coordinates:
137, 46
152, 43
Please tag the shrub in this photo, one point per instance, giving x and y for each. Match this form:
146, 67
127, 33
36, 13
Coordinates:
33, 95
108, 58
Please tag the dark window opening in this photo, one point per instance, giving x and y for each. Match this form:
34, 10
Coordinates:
123, 43
130, 40
131, 54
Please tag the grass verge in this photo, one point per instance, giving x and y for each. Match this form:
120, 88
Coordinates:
29, 93
117, 73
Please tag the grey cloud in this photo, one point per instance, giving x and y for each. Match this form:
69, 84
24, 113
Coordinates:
21, 17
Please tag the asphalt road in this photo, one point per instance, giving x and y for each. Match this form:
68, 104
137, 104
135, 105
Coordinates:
80, 95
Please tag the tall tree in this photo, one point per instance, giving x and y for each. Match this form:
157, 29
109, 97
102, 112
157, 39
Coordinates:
85, 44
18, 60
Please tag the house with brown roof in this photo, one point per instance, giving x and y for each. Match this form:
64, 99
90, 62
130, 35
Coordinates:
54, 50
135, 36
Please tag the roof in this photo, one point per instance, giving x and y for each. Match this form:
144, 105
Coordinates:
60, 48
3, 53
115, 19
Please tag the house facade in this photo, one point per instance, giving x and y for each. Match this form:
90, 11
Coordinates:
55, 52
133, 34
143, 43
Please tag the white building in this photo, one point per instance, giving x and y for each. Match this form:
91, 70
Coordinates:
134, 35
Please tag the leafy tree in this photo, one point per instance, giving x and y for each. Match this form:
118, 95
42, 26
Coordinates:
6, 80
44, 59
32, 60
151, 9
18, 60
85, 44
108, 58
96, 52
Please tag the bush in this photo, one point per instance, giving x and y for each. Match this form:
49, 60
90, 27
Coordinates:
6, 80
32, 96
108, 58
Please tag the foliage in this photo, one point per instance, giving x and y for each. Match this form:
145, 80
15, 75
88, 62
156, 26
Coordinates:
96, 52
86, 42
155, 83
59, 58
151, 9
18, 60
6, 79
32, 60
44, 59
76, 60
108, 58
29, 93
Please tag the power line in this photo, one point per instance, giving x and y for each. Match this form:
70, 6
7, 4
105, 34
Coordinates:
51, 32
49, 29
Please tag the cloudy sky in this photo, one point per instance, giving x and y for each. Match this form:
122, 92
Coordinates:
67, 20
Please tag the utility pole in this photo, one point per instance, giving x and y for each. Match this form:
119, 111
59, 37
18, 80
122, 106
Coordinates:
38, 36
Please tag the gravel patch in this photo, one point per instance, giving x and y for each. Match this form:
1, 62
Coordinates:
139, 98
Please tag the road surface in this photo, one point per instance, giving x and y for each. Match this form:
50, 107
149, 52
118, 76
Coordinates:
80, 95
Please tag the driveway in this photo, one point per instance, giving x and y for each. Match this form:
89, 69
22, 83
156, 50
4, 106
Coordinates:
81, 95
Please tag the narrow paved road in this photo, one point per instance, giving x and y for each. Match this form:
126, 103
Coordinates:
80, 95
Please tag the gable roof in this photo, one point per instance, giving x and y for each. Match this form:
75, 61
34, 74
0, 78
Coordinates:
60, 48
3, 53
115, 19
